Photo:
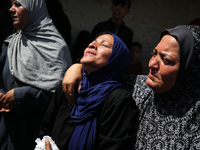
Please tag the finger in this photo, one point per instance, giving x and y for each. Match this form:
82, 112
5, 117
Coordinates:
1, 94
64, 86
1, 110
5, 110
71, 94
47, 145
2, 98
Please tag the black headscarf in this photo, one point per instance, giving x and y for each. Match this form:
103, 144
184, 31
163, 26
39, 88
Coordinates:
186, 46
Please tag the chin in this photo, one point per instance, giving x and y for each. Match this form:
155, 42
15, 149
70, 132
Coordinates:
155, 87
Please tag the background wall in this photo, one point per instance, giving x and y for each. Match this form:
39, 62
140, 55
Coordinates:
147, 18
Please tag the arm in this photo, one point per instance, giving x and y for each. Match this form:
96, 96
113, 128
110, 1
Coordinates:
26, 99
31, 100
2, 88
72, 77
2, 63
51, 113
118, 122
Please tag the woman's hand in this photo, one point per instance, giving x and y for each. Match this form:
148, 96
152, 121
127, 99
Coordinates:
73, 77
7, 101
47, 145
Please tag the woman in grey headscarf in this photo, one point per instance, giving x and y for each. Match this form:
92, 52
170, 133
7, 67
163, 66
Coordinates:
169, 97
32, 64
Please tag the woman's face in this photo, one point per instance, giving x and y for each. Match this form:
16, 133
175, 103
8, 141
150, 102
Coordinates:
164, 65
97, 54
19, 15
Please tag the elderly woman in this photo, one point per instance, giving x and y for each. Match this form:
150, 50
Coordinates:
169, 97
104, 115
33, 62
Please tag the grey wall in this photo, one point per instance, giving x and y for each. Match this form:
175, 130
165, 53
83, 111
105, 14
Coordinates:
147, 18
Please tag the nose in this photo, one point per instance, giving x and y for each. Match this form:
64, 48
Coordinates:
154, 63
12, 9
93, 45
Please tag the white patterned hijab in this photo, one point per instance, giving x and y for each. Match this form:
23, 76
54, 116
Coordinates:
37, 54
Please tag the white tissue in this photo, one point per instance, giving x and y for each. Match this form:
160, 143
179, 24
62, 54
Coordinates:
41, 143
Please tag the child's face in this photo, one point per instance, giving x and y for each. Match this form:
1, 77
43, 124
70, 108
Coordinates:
135, 53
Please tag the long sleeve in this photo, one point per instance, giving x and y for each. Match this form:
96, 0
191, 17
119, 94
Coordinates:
28, 99
2, 63
50, 115
21, 125
31, 100
57, 122
118, 122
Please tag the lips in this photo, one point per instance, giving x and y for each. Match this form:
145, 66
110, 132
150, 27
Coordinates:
89, 52
14, 18
152, 75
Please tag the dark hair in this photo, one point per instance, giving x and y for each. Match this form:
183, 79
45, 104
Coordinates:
136, 44
126, 2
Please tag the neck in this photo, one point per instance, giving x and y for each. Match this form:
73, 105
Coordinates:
117, 21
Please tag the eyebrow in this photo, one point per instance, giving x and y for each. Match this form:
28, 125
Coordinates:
163, 53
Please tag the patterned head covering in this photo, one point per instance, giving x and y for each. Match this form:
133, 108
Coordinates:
95, 89
172, 120
37, 54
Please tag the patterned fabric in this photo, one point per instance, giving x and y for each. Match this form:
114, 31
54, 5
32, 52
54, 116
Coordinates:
171, 120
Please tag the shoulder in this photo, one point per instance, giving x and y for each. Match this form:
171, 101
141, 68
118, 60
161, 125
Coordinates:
120, 102
119, 94
104, 23
120, 98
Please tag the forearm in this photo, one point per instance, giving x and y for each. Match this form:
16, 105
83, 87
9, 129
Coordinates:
72, 78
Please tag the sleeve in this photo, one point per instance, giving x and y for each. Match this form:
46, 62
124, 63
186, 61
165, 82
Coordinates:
52, 112
57, 122
118, 122
31, 100
2, 62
